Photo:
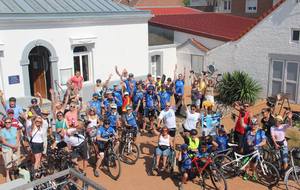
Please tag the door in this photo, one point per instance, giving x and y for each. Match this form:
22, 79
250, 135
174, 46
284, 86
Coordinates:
40, 71
155, 65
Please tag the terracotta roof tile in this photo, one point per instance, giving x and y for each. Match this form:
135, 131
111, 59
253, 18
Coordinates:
159, 3
172, 11
218, 26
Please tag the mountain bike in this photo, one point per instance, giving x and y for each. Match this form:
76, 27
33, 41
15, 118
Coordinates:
204, 168
292, 175
111, 160
267, 173
129, 151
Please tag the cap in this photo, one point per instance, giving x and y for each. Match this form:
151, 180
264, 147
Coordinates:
106, 122
130, 75
114, 106
116, 84
254, 121
279, 118
45, 112
194, 132
10, 111
12, 99
184, 147
98, 81
29, 114
128, 108
158, 77
126, 93
34, 100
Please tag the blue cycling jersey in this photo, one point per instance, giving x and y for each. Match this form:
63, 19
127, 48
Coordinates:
151, 100
164, 98
97, 105
131, 119
105, 132
179, 87
222, 142
138, 96
128, 82
118, 96
186, 162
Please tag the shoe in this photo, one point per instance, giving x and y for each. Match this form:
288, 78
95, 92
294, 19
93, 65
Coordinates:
245, 177
96, 173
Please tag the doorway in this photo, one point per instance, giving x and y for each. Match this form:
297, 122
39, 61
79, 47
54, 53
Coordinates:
39, 69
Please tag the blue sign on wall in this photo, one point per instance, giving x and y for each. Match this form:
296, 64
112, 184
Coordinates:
14, 79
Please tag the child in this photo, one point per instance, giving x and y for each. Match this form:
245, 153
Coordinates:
185, 163
222, 139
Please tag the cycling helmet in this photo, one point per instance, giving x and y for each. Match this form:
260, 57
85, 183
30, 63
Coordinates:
193, 132
184, 147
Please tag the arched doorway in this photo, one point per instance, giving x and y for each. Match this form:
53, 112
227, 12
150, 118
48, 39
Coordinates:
39, 70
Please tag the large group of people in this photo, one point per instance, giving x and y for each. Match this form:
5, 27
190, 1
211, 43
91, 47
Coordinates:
146, 106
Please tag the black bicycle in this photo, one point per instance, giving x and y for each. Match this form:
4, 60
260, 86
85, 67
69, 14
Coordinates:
111, 160
129, 151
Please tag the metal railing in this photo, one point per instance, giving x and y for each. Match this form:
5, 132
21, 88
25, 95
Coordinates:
70, 175
60, 90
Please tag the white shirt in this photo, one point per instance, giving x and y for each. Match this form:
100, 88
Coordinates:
44, 128
73, 141
168, 117
37, 135
191, 120
164, 141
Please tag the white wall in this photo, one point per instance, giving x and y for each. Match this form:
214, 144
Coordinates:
181, 37
125, 45
169, 58
251, 52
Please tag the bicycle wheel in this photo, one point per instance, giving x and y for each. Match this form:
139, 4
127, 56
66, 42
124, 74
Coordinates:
130, 153
114, 166
217, 179
267, 174
292, 178
226, 165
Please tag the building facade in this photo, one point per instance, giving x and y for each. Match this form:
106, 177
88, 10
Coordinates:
43, 45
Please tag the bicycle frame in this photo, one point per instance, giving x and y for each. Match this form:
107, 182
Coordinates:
293, 165
239, 157
201, 169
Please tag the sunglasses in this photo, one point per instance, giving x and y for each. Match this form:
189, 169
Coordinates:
8, 122
246, 106
38, 121
72, 106
60, 115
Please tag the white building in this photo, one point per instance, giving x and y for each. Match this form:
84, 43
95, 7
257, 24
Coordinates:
43, 43
268, 49
269, 52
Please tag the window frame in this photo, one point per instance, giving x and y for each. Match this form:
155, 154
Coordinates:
284, 80
228, 6
160, 54
292, 35
247, 10
87, 53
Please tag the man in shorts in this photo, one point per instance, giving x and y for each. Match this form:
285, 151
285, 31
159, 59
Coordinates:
78, 146
10, 139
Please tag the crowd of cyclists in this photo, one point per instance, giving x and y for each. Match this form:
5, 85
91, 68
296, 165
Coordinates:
144, 106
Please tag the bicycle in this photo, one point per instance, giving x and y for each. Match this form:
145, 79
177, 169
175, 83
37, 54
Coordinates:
292, 175
203, 168
111, 160
267, 173
129, 151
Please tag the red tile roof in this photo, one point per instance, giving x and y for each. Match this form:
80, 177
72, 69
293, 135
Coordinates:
172, 11
218, 26
159, 3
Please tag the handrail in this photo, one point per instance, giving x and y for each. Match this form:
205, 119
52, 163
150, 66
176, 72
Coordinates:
70, 171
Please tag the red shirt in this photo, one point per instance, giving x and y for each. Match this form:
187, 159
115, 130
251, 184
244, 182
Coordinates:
238, 128
126, 102
77, 82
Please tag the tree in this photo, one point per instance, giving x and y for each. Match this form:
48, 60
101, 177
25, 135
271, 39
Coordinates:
238, 86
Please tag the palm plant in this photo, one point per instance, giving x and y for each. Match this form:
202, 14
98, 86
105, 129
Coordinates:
237, 86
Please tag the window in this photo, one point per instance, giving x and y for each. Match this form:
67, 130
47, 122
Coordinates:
295, 35
81, 61
197, 63
227, 5
285, 78
155, 65
251, 6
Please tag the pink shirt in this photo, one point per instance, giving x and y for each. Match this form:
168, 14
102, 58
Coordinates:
77, 82
72, 118
279, 132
